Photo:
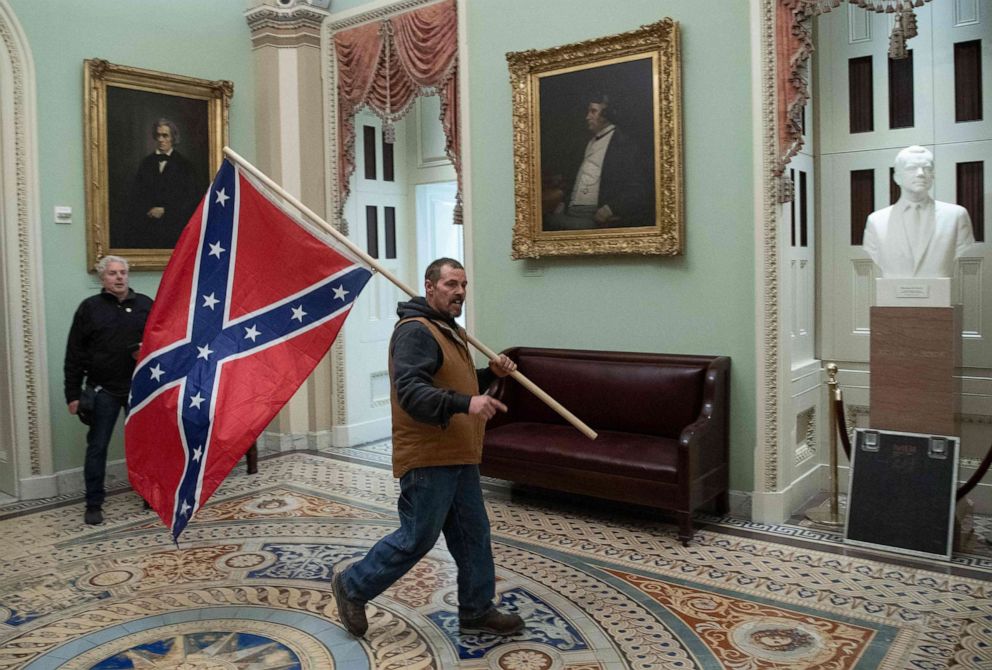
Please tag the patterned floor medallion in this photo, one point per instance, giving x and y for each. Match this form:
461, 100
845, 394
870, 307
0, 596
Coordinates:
229, 645
249, 588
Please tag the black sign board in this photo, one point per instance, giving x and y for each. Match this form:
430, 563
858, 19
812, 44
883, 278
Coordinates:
901, 492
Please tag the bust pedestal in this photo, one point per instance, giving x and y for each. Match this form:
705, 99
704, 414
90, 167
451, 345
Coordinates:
915, 353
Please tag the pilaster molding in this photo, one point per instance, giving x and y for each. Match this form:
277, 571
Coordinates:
766, 240
21, 237
285, 27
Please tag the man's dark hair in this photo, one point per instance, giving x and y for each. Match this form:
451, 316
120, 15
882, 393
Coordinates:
433, 272
172, 129
610, 109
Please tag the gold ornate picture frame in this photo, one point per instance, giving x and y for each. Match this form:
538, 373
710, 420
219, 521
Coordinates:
137, 200
597, 146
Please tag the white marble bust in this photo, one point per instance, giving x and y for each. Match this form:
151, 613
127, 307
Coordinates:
918, 236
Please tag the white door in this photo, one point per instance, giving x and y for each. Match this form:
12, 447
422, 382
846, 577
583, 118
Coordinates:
380, 222
437, 236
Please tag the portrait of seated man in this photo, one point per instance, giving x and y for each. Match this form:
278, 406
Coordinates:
610, 186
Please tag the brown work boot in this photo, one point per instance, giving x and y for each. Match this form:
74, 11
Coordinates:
351, 612
493, 622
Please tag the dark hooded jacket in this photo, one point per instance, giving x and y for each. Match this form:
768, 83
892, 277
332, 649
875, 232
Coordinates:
416, 357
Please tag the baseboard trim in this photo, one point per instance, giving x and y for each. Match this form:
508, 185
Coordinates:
778, 506
71, 482
740, 504
33, 488
354, 434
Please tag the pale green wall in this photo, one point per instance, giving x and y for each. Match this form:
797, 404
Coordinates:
702, 302
197, 38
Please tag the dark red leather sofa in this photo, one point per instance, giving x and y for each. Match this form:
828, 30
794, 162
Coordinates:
662, 421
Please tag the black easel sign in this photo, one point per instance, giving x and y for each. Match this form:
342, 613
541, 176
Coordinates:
902, 492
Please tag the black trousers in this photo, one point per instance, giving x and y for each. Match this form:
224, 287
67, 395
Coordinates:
106, 407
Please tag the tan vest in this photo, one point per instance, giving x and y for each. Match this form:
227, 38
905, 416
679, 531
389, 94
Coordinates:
417, 444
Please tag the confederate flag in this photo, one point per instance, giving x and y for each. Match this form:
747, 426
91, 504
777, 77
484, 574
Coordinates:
248, 305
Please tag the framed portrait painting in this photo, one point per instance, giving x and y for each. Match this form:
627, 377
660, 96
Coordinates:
153, 141
597, 146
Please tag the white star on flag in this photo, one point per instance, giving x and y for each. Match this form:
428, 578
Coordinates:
196, 401
157, 372
298, 313
205, 352
216, 250
340, 292
210, 301
184, 510
222, 198
252, 332
197, 453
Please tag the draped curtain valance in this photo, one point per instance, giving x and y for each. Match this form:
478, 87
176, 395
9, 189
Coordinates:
794, 46
384, 65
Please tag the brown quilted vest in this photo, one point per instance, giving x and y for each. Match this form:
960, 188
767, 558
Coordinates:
417, 444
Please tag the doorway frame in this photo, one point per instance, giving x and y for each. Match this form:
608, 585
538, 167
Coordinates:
23, 302
365, 13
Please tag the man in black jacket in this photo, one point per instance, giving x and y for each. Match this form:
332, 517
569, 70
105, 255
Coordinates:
102, 349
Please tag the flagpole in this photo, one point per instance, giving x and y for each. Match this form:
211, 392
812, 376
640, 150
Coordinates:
374, 264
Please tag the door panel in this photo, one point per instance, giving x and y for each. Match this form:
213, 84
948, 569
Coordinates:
379, 218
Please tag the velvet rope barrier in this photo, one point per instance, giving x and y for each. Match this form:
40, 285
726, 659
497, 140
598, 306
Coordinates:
841, 428
977, 476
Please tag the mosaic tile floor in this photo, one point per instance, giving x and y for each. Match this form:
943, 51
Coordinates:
249, 589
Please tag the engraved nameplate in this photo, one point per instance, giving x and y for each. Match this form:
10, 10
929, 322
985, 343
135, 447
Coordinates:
913, 291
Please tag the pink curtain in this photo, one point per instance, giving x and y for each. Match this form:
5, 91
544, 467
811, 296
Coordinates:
385, 65
794, 46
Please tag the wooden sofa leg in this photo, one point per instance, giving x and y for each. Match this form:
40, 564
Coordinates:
685, 528
252, 460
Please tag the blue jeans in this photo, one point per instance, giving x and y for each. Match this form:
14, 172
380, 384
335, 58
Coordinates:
105, 410
433, 500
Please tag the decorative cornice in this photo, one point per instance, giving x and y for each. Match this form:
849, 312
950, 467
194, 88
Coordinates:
285, 27
378, 14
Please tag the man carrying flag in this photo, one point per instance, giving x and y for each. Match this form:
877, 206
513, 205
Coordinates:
439, 418
231, 337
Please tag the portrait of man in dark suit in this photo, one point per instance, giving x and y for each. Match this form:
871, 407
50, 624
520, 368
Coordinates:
600, 174
158, 166
165, 191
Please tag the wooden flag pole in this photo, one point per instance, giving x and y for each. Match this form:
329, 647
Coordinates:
358, 251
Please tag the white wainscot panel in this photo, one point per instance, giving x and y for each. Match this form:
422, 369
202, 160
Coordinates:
971, 297
862, 294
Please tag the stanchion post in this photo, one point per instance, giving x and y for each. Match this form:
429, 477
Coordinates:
828, 512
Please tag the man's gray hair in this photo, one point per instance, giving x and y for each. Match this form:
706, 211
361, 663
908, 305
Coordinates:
433, 272
173, 128
101, 265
